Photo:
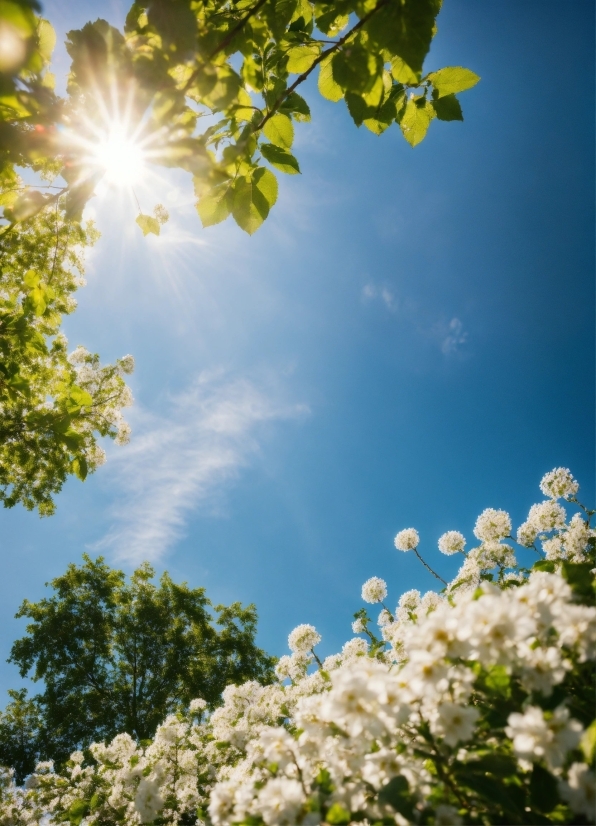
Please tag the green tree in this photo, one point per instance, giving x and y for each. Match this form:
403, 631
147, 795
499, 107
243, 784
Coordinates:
52, 406
118, 655
20, 734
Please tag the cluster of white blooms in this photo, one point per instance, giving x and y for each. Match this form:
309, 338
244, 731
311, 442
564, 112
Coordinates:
559, 484
407, 540
381, 731
303, 638
492, 525
452, 542
374, 590
110, 394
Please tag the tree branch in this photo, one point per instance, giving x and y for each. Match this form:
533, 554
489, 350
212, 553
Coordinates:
301, 78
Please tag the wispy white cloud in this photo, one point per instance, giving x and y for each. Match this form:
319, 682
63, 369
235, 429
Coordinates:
449, 336
454, 338
178, 464
370, 292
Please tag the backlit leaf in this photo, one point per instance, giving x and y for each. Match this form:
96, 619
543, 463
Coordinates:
453, 79
214, 206
148, 224
301, 58
280, 131
254, 195
448, 108
328, 88
280, 159
415, 121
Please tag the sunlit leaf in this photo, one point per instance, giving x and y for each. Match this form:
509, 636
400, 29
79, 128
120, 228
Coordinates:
280, 131
453, 79
148, 224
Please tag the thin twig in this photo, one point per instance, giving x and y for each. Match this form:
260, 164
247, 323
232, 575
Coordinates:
434, 573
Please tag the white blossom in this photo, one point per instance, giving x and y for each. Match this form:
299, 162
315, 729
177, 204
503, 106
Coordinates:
535, 737
407, 540
303, 638
547, 516
374, 590
280, 800
526, 534
580, 790
451, 542
559, 484
492, 525
454, 723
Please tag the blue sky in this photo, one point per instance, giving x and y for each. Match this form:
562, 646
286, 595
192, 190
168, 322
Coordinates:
407, 340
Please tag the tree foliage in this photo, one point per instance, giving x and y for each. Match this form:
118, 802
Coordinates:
53, 406
117, 655
211, 87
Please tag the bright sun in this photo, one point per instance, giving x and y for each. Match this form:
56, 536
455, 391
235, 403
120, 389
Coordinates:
120, 156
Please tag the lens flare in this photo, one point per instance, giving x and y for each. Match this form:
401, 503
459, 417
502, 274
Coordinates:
120, 157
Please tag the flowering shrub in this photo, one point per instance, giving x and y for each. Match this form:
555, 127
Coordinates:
473, 705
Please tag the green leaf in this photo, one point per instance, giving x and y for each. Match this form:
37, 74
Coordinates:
453, 79
8, 198
401, 72
77, 811
579, 576
253, 198
148, 224
214, 206
38, 299
498, 680
280, 131
80, 397
328, 88
278, 14
358, 108
337, 815
297, 106
80, 468
301, 58
415, 121
46, 39
448, 108
396, 794
544, 565
588, 743
332, 22
543, 789
405, 29
280, 159
353, 68
31, 279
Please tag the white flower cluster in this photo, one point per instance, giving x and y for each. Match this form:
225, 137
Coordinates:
110, 395
379, 730
452, 542
374, 590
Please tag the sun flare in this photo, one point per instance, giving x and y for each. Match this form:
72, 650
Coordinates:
120, 157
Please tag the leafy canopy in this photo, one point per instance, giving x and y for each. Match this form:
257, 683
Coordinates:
119, 655
211, 87
52, 406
